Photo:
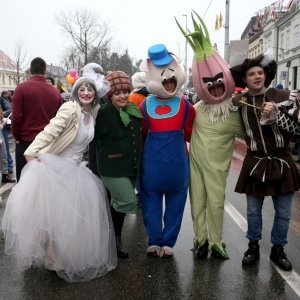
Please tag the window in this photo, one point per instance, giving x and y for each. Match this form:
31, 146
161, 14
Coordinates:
296, 36
268, 42
282, 40
288, 41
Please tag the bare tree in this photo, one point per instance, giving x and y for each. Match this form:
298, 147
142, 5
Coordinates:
19, 58
71, 58
86, 31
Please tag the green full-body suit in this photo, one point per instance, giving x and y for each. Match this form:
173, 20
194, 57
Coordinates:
215, 126
211, 151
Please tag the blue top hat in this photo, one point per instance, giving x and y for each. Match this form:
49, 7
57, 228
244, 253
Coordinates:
159, 55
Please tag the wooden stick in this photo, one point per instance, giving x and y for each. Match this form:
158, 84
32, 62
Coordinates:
249, 104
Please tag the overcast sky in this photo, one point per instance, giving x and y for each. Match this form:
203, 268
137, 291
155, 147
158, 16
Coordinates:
136, 24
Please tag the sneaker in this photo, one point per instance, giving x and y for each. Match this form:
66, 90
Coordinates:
153, 251
279, 258
6, 178
252, 254
166, 252
202, 251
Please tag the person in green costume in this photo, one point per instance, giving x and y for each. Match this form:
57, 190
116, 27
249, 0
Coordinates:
215, 127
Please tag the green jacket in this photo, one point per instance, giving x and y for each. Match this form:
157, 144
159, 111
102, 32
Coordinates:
119, 148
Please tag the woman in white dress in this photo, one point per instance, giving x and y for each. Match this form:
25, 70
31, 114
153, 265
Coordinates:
58, 215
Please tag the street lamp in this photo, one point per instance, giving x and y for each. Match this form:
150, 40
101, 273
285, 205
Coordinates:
185, 66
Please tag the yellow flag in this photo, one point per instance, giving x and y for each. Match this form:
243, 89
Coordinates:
219, 21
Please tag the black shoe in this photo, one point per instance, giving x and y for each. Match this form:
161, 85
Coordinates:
202, 251
252, 254
120, 252
279, 258
7, 179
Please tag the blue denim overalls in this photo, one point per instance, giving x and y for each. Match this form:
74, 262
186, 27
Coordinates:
165, 172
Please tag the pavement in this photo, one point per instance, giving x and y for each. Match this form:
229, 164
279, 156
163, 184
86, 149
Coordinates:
183, 277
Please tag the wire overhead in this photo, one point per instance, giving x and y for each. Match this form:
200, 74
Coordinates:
207, 9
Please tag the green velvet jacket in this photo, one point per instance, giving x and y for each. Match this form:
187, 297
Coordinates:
119, 148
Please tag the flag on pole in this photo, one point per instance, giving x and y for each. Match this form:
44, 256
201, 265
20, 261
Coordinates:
219, 21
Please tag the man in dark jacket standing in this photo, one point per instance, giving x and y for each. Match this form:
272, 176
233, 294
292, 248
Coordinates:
268, 168
35, 103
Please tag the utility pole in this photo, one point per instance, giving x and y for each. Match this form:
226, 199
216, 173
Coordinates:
185, 64
226, 41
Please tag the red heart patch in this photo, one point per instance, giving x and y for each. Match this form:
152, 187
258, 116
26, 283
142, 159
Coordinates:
163, 109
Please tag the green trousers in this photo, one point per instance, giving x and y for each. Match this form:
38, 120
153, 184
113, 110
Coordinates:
211, 150
122, 190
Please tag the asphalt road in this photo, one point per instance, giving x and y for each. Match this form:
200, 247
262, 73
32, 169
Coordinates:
183, 277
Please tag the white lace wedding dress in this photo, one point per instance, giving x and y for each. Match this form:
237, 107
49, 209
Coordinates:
58, 215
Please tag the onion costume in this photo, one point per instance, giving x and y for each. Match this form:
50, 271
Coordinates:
215, 127
167, 125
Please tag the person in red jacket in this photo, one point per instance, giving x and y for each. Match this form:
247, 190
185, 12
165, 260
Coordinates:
35, 102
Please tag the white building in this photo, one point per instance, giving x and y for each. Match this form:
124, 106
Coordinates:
10, 74
288, 48
277, 29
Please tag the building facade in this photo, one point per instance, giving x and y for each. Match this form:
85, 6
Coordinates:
288, 48
10, 73
276, 29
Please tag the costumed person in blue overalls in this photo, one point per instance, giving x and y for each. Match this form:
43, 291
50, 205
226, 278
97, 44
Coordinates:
167, 125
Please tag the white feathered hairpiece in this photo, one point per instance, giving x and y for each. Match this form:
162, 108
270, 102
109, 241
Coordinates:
268, 57
102, 85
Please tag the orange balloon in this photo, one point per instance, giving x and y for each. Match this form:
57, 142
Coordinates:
70, 79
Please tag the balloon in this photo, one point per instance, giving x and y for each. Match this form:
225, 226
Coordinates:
70, 79
73, 72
